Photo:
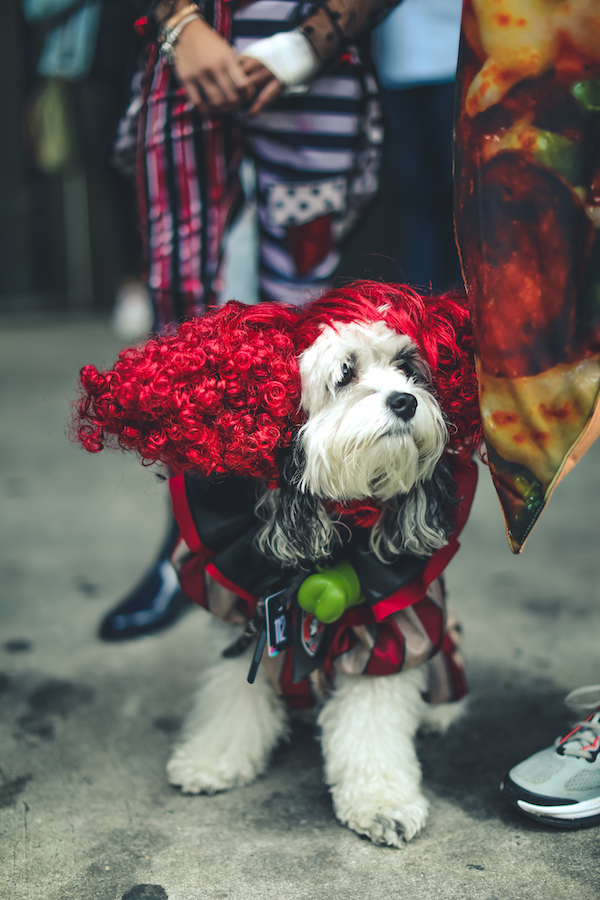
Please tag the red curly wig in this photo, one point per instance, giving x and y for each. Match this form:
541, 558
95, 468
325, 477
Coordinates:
222, 395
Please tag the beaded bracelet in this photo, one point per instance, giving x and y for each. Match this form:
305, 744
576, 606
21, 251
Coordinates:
170, 33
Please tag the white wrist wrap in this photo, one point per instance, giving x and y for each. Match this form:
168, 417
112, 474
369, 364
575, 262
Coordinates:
288, 55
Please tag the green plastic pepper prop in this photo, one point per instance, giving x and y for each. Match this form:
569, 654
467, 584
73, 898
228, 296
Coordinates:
329, 593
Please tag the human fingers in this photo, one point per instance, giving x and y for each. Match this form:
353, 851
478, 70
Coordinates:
218, 92
243, 84
256, 71
195, 96
266, 97
227, 89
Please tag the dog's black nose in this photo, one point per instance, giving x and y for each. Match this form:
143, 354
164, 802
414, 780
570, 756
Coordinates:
403, 405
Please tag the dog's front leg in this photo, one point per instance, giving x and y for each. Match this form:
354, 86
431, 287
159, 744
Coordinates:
371, 766
230, 732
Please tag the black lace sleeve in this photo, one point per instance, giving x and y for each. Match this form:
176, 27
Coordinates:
331, 24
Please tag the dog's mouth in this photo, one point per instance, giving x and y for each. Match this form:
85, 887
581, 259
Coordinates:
396, 430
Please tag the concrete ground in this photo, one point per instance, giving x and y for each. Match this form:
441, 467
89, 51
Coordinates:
87, 727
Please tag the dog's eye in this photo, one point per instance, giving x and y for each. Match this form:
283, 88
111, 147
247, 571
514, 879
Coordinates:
411, 366
406, 367
347, 375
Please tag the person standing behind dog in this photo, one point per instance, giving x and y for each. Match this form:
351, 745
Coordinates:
415, 52
280, 81
316, 148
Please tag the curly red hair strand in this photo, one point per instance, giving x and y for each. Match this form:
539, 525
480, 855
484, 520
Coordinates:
220, 395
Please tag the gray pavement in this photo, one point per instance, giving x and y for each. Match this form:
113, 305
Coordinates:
86, 727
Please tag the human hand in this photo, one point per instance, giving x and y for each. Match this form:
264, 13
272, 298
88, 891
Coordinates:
262, 80
210, 70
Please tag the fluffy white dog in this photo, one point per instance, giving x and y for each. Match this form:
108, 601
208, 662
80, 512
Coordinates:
369, 474
373, 429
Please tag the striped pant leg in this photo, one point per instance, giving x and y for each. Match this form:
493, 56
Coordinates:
187, 188
320, 147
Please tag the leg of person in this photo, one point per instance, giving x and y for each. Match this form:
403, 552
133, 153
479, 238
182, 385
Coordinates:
114, 244
155, 603
132, 314
188, 187
560, 785
439, 111
183, 223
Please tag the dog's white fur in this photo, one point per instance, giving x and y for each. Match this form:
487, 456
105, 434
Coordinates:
232, 729
367, 729
355, 447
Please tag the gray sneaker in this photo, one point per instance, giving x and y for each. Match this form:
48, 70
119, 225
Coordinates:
560, 785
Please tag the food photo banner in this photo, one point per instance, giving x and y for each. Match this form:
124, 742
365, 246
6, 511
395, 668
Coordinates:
527, 212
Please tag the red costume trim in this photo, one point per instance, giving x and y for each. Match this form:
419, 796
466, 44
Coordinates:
192, 579
433, 621
183, 515
297, 696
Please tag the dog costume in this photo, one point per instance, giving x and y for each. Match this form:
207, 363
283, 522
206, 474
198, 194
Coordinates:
220, 402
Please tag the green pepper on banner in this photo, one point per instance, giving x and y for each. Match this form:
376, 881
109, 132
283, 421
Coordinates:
527, 208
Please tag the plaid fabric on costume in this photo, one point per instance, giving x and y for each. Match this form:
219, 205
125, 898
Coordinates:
401, 624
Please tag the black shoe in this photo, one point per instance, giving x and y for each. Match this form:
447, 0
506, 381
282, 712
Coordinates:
153, 605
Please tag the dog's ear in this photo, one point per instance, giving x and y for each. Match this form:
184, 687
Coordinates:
419, 522
298, 530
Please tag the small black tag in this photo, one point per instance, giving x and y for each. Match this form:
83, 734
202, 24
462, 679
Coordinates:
276, 628
278, 616
309, 644
258, 652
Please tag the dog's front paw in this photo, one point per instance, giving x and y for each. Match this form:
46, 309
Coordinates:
195, 773
385, 822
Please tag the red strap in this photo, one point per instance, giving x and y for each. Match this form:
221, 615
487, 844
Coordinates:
182, 513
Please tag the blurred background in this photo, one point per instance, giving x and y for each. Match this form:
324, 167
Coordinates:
86, 725
68, 230
68, 223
